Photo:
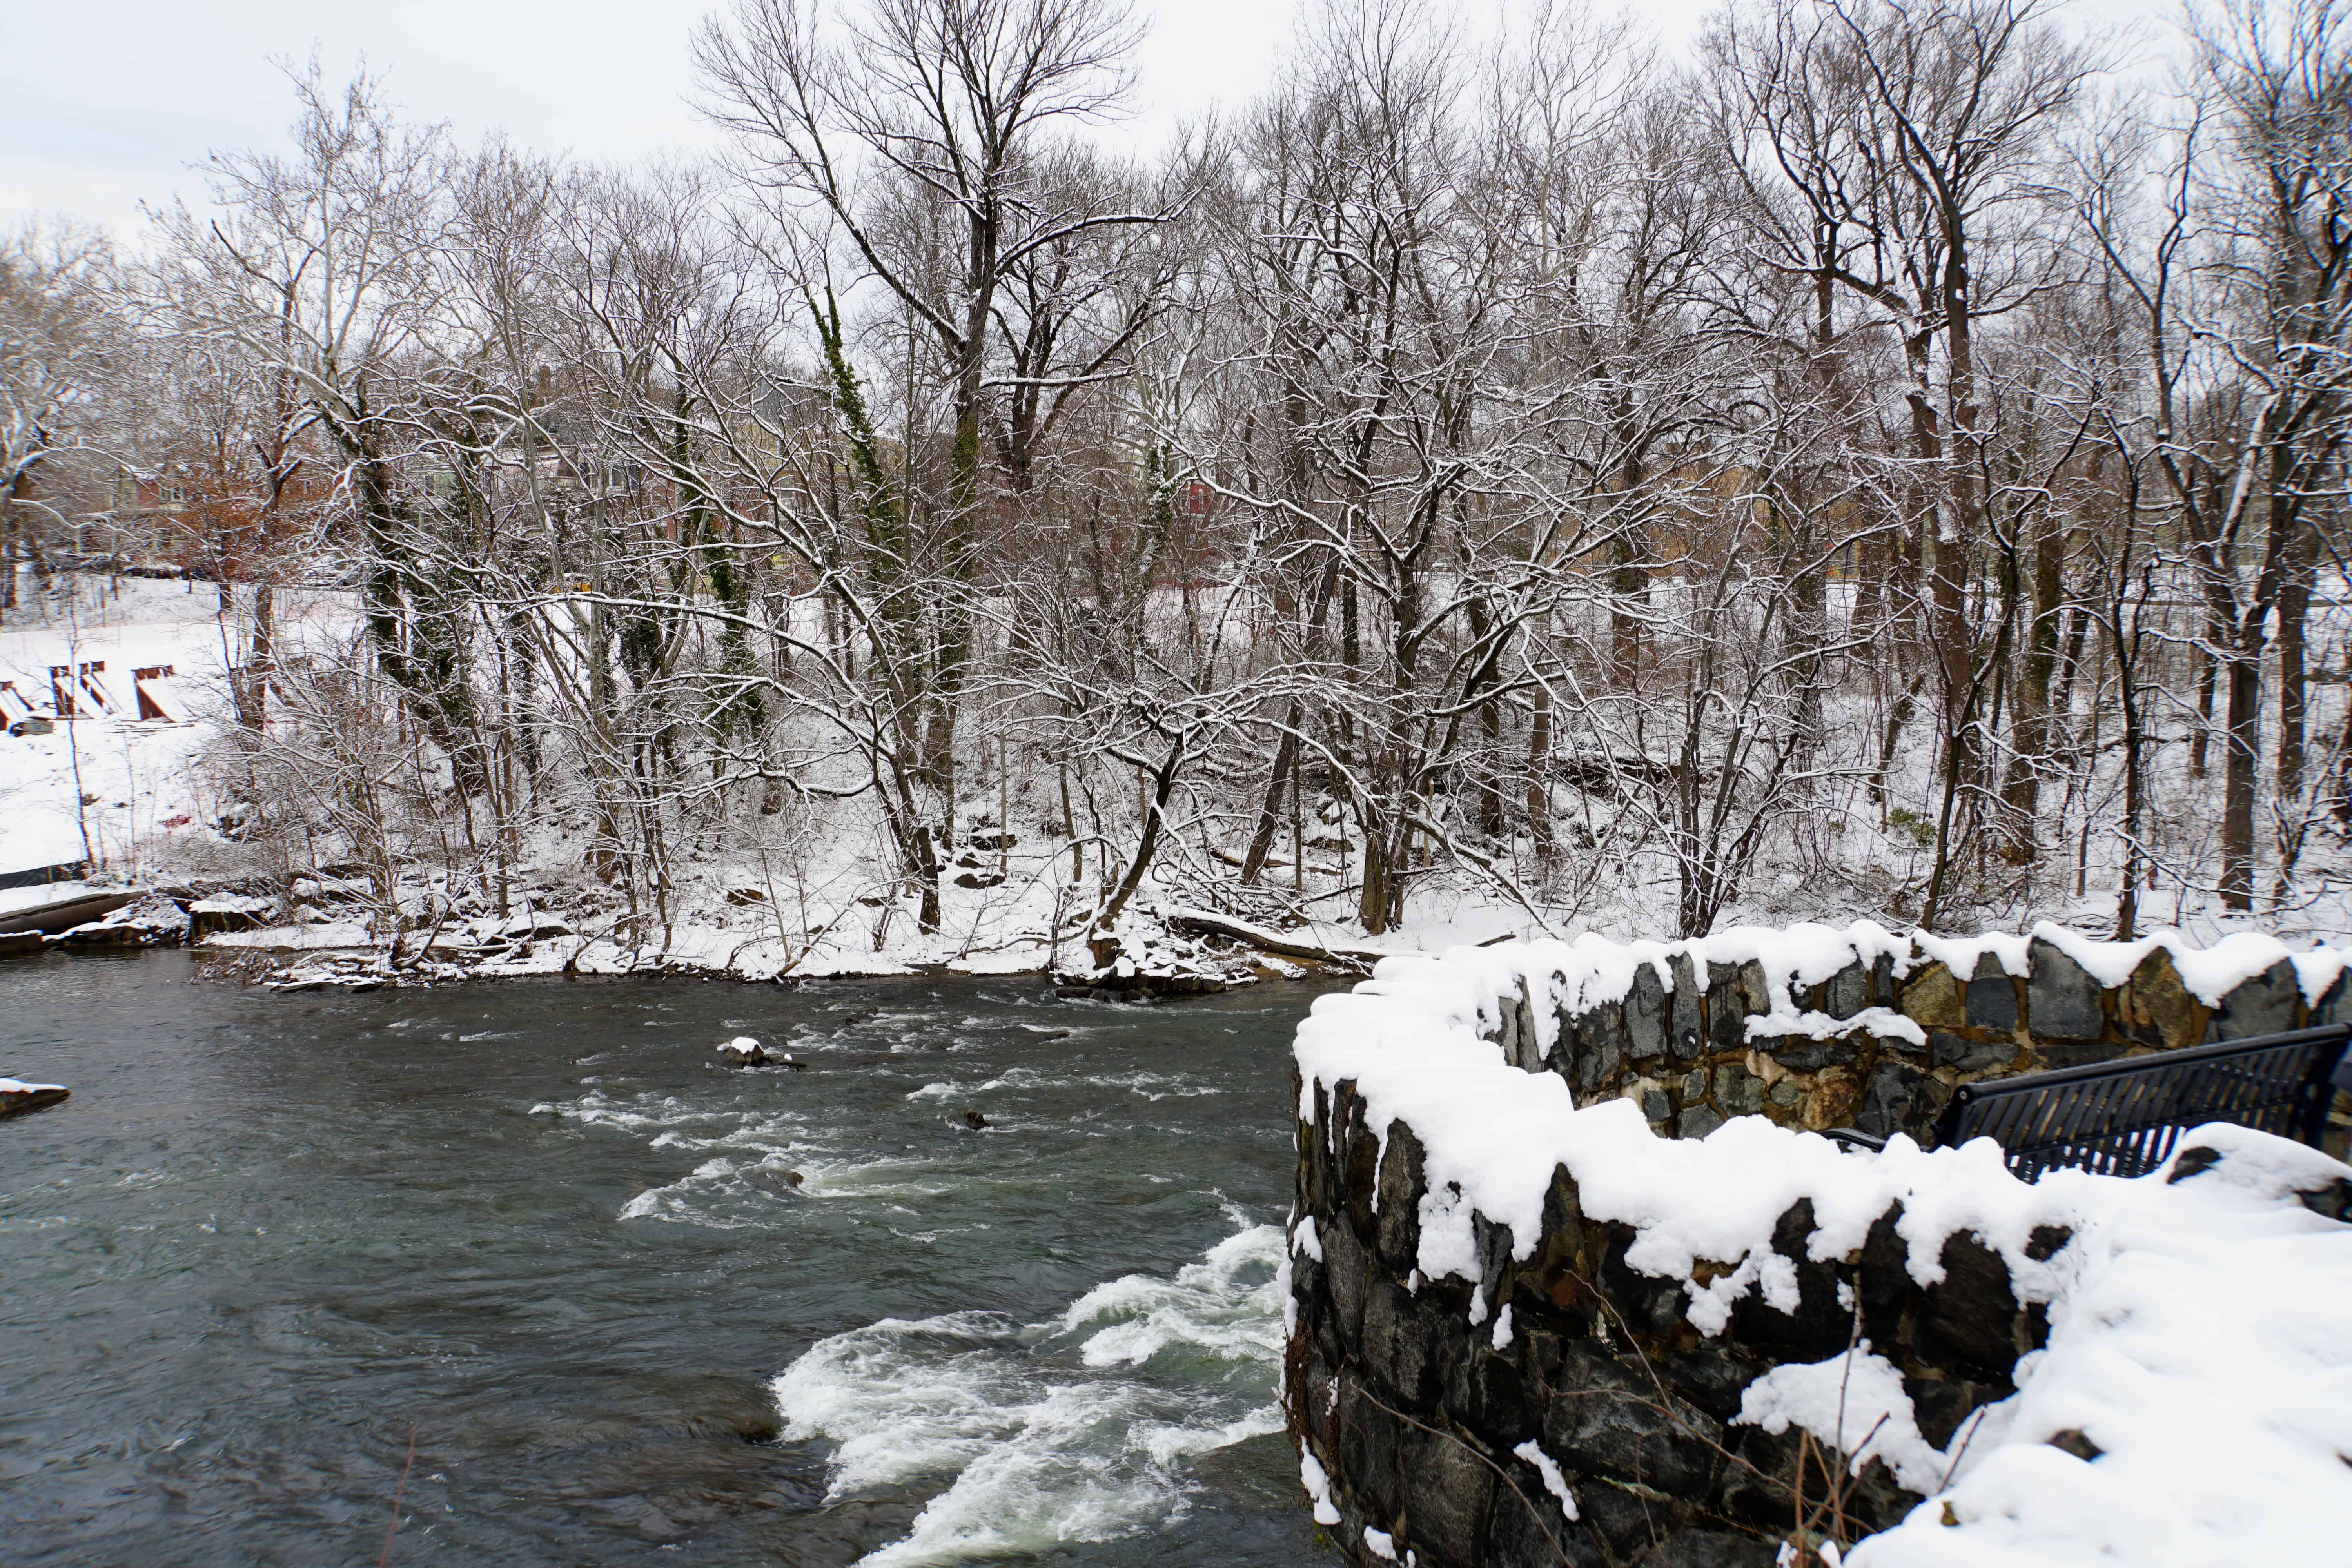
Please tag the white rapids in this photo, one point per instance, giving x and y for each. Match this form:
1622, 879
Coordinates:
1077, 1429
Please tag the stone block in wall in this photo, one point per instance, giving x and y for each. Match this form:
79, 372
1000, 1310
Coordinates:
1726, 1016
1623, 1525
1799, 1054
1697, 1121
1712, 1378
1369, 1438
1701, 1548
1449, 1494
1397, 1221
1755, 987
2330, 1007
1941, 1406
1760, 1495
1686, 1021
2062, 999
1645, 1015
1882, 1286
1899, 1098
1837, 1094
1359, 1168
1737, 1091
1348, 1275
1601, 1049
2264, 1005
1314, 1173
1970, 1322
1932, 999
1822, 1325
1646, 1303
1527, 1530
2156, 1008
2049, 1055
1486, 1393
1846, 993
1604, 1415
1964, 1054
1886, 991
1991, 996
1401, 1346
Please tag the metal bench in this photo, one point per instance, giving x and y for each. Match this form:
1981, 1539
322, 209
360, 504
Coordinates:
2122, 1117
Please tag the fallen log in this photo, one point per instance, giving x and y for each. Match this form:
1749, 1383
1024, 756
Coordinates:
1201, 922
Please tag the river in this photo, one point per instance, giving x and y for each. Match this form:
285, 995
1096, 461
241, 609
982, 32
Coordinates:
527, 1258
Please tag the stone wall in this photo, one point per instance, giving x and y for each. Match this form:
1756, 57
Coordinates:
1418, 1414
1529, 1314
1878, 1043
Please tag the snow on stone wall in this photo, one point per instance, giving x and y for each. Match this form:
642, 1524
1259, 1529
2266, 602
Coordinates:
1523, 1332
1814, 1026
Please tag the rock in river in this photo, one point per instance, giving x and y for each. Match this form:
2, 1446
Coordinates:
17, 1097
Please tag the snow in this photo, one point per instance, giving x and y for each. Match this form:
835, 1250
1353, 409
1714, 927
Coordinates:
2206, 1350
2200, 1328
1319, 1488
1884, 1021
1493, 1135
1855, 1402
18, 1085
1554, 1482
1380, 1543
14, 900
139, 773
1962, 954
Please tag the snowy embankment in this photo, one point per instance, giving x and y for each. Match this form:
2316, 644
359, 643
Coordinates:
2193, 1402
107, 785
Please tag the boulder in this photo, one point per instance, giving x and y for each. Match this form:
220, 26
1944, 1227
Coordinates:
742, 1051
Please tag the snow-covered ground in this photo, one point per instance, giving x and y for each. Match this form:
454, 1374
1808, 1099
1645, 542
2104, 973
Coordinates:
107, 787
815, 890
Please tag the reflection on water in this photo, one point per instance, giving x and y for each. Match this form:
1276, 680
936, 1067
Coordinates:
632, 1305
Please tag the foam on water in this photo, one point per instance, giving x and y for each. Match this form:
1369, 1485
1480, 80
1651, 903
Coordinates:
1211, 1306
1148, 1086
1045, 1444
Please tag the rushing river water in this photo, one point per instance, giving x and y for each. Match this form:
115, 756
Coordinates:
626, 1304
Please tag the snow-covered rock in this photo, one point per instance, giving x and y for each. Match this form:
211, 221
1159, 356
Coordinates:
17, 1097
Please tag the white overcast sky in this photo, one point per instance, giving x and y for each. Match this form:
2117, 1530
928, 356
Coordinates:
104, 105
